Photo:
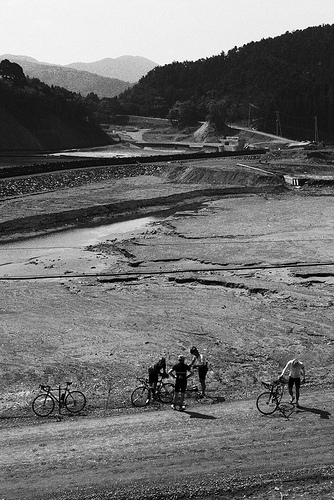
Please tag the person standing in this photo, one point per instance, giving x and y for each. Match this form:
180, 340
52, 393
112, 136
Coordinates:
153, 376
179, 372
201, 364
296, 370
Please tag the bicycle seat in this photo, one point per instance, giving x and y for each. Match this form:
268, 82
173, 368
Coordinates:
266, 385
68, 383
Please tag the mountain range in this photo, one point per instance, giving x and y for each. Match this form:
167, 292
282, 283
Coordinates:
126, 68
105, 78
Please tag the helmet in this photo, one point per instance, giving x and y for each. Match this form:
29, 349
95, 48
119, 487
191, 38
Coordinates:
181, 358
193, 350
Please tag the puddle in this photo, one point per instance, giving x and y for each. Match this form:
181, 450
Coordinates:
64, 251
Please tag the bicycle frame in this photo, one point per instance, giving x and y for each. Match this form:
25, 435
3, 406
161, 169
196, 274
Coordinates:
61, 395
269, 401
145, 382
194, 387
44, 404
276, 389
142, 395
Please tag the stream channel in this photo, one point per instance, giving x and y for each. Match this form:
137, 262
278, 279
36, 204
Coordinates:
65, 252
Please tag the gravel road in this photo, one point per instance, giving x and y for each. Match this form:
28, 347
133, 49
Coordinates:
207, 451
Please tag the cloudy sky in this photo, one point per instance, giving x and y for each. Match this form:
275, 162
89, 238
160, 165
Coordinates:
65, 31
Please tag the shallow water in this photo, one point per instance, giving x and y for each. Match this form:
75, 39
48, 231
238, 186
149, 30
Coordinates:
64, 248
118, 151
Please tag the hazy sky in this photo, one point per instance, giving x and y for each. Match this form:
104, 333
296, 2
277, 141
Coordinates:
65, 31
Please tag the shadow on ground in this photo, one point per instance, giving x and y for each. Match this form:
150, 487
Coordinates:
323, 413
195, 414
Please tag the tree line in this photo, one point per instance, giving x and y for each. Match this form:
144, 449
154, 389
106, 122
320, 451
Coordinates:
283, 84
29, 98
47, 111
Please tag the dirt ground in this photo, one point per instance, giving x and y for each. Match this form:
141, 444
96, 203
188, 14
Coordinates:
241, 269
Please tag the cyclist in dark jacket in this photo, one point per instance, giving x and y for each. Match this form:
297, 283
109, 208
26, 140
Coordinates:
180, 370
153, 376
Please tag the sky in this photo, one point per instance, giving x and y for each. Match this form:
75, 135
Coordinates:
66, 31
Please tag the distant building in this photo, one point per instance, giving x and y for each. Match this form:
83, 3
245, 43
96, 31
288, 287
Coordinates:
232, 143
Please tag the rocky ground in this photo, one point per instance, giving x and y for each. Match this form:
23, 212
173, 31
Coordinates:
234, 263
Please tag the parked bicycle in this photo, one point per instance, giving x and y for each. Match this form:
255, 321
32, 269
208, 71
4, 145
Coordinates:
193, 392
141, 396
271, 400
192, 389
44, 404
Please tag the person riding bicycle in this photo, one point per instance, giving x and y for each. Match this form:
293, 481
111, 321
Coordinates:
201, 364
296, 370
153, 376
180, 370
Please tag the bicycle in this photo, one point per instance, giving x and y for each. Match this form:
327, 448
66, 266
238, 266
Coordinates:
141, 396
270, 400
194, 392
44, 404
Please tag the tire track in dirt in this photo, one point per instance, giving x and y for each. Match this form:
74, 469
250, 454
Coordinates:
210, 443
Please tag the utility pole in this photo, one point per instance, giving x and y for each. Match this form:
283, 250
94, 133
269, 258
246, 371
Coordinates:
316, 133
278, 124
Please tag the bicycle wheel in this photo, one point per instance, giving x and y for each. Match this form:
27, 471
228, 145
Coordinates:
266, 403
75, 401
43, 405
166, 393
140, 396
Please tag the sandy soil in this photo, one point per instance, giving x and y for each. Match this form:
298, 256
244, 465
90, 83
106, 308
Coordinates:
246, 276
208, 451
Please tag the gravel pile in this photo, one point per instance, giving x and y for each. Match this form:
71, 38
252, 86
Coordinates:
72, 178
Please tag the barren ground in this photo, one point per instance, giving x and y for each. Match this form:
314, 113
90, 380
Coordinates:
235, 265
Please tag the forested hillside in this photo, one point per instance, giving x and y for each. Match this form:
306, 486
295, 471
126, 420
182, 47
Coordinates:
34, 116
281, 85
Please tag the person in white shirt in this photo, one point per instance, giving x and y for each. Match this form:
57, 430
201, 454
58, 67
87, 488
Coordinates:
201, 364
296, 371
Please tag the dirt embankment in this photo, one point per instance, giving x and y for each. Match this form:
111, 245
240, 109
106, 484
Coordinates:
180, 182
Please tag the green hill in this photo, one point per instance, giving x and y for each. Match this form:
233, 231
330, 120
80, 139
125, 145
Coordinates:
281, 85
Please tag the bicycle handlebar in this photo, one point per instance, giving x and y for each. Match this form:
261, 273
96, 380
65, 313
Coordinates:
142, 380
48, 387
269, 385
